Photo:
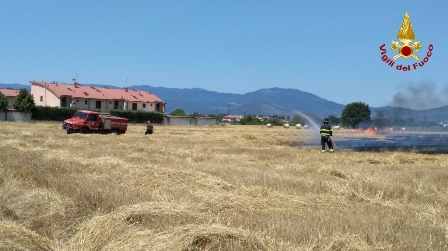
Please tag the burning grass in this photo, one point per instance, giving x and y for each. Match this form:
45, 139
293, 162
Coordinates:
215, 188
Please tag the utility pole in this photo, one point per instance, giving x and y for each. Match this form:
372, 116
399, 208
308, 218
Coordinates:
228, 110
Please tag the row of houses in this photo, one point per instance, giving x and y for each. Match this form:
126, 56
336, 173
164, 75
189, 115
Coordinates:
89, 97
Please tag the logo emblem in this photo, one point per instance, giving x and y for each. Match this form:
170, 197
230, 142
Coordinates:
406, 36
407, 49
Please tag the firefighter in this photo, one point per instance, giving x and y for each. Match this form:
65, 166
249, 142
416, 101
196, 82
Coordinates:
149, 127
325, 133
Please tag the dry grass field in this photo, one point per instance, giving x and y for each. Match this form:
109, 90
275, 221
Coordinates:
214, 188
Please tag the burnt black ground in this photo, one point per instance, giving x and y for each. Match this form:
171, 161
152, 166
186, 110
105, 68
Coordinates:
422, 143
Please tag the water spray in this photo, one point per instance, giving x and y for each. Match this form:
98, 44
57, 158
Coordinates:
316, 127
309, 120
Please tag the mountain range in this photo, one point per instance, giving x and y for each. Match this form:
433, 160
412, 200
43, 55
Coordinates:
271, 101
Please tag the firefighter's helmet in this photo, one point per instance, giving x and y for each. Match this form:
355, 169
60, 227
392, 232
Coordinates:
326, 121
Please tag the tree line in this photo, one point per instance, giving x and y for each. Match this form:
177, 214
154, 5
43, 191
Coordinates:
354, 115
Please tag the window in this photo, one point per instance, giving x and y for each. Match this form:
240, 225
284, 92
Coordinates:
144, 105
98, 104
151, 104
134, 106
41, 98
77, 100
85, 101
80, 115
92, 117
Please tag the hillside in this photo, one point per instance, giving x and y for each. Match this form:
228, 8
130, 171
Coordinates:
271, 101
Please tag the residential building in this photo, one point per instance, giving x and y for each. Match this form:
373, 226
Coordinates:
11, 94
94, 98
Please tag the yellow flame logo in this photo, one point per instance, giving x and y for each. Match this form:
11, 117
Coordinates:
406, 36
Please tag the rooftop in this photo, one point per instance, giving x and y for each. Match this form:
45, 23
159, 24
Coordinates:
9, 92
77, 90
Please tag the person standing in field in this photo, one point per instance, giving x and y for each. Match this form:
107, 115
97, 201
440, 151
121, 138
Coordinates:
149, 127
325, 132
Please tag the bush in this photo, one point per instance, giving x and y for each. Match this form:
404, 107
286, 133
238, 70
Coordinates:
179, 112
52, 113
138, 116
250, 120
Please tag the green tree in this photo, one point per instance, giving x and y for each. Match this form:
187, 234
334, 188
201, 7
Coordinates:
178, 112
24, 101
334, 120
355, 113
3, 102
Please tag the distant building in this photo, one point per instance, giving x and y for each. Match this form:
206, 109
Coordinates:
94, 98
187, 120
11, 94
231, 118
264, 118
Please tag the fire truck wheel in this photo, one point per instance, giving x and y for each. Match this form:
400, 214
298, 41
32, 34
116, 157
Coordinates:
84, 130
69, 132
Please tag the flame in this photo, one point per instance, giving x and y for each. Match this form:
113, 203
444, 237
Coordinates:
406, 34
368, 131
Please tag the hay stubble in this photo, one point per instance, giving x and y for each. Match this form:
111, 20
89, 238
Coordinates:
213, 188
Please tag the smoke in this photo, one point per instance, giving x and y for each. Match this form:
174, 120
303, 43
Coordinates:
420, 96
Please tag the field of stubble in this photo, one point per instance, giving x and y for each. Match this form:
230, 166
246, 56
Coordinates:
213, 188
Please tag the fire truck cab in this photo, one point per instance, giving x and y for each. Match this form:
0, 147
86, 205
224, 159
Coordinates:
85, 121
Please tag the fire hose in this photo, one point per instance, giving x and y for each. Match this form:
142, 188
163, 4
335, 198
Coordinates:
335, 146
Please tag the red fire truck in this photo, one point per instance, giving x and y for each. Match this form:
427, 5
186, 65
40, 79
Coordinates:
94, 122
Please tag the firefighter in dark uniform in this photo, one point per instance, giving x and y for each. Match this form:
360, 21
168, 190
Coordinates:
325, 133
149, 127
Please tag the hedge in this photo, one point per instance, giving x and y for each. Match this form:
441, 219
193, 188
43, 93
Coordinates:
49, 113
138, 116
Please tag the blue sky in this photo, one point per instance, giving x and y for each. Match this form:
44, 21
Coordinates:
327, 48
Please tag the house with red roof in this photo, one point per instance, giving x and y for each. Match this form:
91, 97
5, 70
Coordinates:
11, 94
94, 98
